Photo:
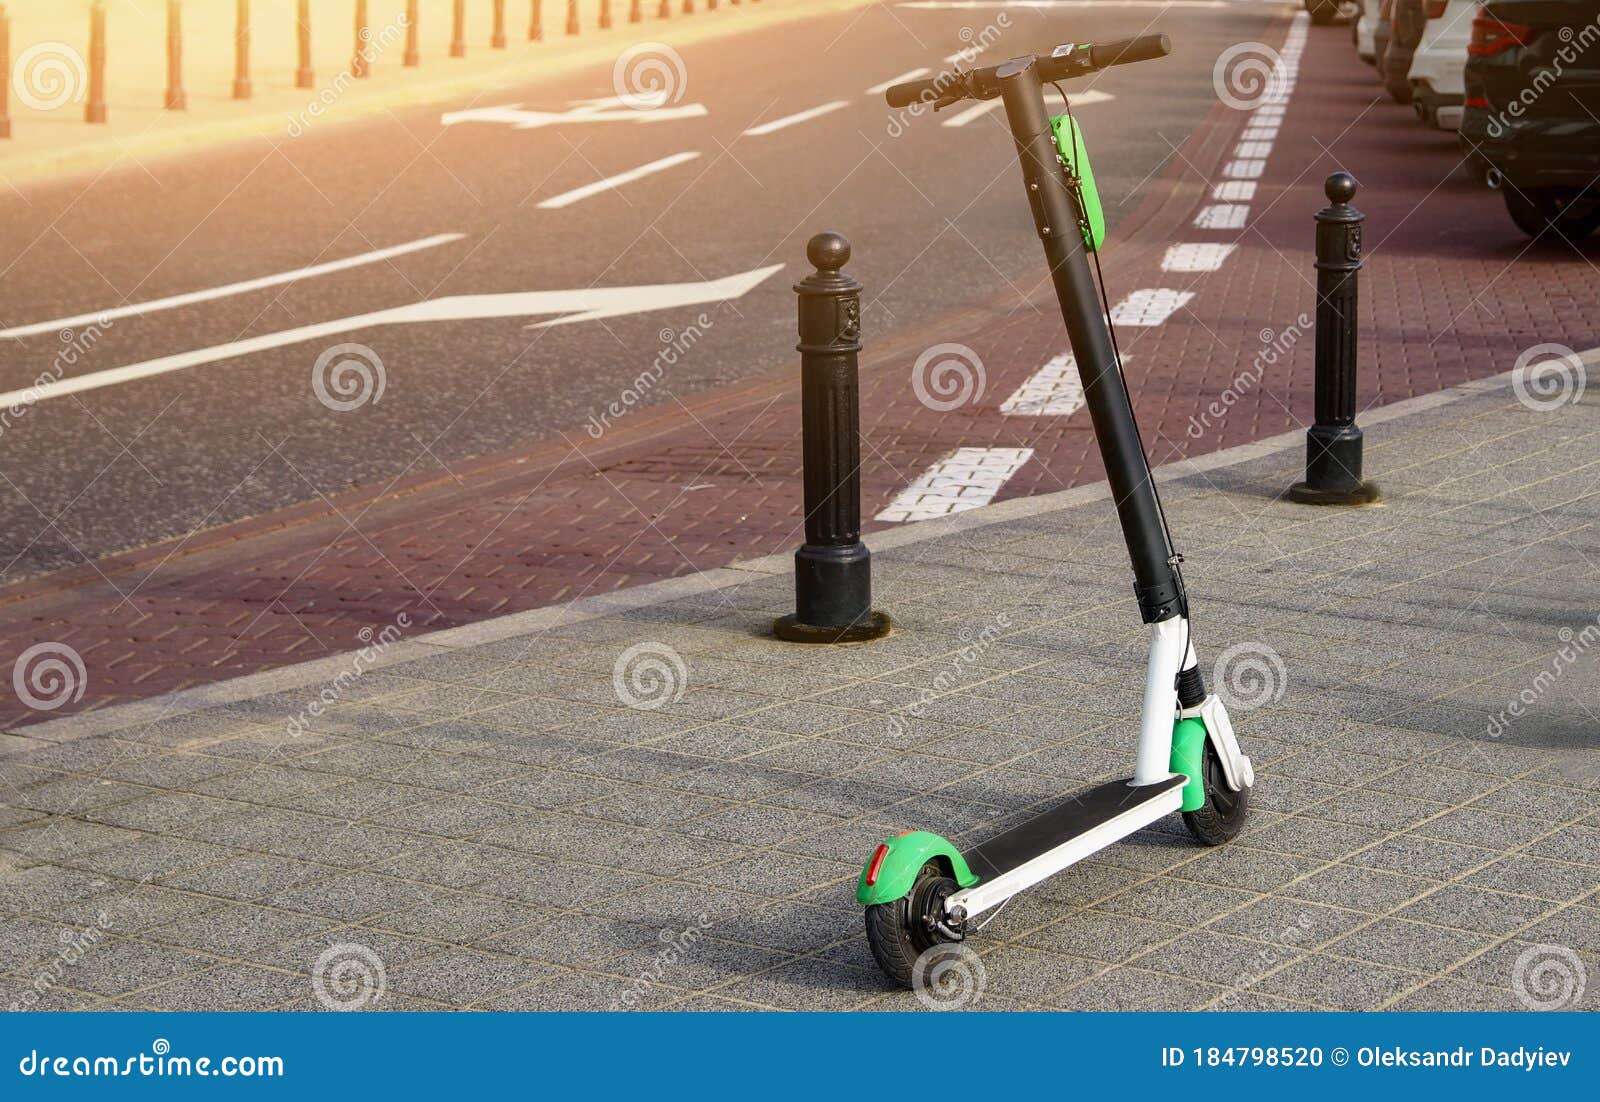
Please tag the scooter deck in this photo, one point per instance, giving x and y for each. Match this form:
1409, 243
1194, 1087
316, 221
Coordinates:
1073, 829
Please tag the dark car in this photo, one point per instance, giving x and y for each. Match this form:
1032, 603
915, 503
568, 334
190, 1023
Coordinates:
1533, 110
1406, 21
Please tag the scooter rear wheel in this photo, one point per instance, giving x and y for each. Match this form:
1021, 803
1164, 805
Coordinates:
901, 931
1224, 813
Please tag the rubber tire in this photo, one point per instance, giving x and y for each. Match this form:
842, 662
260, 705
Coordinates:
1225, 811
895, 931
1532, 209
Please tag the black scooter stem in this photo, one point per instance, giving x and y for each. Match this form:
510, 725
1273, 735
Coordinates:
1055, 215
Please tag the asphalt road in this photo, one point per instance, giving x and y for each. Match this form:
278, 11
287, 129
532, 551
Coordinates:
934, 214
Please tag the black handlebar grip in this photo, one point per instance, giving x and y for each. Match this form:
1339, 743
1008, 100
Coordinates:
904, 95
1146, 47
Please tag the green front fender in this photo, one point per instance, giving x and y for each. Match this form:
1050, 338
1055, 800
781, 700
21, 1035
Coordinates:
1188, 752
898, 870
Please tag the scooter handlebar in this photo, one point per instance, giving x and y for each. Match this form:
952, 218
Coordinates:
1062, 63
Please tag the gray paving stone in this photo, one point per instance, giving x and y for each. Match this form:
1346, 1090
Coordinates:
1339, 984
226, 987
464, 977
1409, 945
1553, 880
1123, 989
1367, 890
1417, 855
236, 930
118, 967
1450, 995
1465, 908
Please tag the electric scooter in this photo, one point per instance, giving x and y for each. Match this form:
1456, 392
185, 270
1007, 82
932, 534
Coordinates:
920, 891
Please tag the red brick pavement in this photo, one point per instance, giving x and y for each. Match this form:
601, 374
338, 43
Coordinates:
687, 487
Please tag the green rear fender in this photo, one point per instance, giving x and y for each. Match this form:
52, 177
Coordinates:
906, 855
1188, 752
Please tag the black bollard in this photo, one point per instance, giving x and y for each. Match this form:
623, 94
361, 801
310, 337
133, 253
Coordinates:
458, 29
1333, 443
95, 109
535, 23
241, 50
175, 98
635, 11
497, 37
413, 55
833, 569
303, 76
358, 57
572, 16
688, 7
5, 73
605, 15
664, 10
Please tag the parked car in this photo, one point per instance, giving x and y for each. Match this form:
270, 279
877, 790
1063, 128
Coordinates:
1438, 79
1405, 32
1533, 111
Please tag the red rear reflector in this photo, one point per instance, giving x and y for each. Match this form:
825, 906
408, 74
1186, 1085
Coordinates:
1490, 36
1477, 101
876, 864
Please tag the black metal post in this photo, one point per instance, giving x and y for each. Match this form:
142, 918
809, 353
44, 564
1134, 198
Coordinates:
358, 58
497, 37
535, 22
833, 569
605, 15
1333, 443
572, 16
5, 73
241, 50
664, 9
635, 11
303, 76
458, 29
95, 110
175, 99
413, 55
1055, 217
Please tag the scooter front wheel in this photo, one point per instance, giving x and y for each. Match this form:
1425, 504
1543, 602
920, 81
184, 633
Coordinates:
901, 930
1222, 817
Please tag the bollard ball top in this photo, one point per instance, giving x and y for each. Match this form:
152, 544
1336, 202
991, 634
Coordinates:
828, 252
1340, 187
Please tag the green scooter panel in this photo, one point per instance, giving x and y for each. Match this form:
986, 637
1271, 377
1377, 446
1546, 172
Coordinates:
904, 857
1069, 143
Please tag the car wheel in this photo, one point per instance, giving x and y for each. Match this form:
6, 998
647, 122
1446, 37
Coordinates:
1534, 210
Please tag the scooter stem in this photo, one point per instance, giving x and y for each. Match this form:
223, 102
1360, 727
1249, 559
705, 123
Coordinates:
1055, 215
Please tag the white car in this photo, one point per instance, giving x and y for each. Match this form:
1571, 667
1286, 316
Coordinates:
1437, 82
1366, 26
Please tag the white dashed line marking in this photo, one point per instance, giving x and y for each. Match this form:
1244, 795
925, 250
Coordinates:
1244, 170
909, 74
965, 479
567, 198
1222, 216
1195, 257
790, 120
1234, 191
1149, 306
1053, 391
1259, 134
1253, 149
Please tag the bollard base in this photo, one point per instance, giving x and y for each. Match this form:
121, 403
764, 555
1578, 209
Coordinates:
1303, 493
304, 78
876, 626
241, 89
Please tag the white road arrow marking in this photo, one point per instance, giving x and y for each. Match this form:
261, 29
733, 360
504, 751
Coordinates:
172, 302
582, 304
583, 111
567, 198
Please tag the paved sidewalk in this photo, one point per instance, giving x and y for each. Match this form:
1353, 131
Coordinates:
480, 818
1451, 292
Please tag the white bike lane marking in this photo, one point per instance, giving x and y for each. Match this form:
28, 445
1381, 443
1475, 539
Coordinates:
582, 304
1055, 390
611, 109
965, 479
883, 86
791, 120
567, 198
172, 302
